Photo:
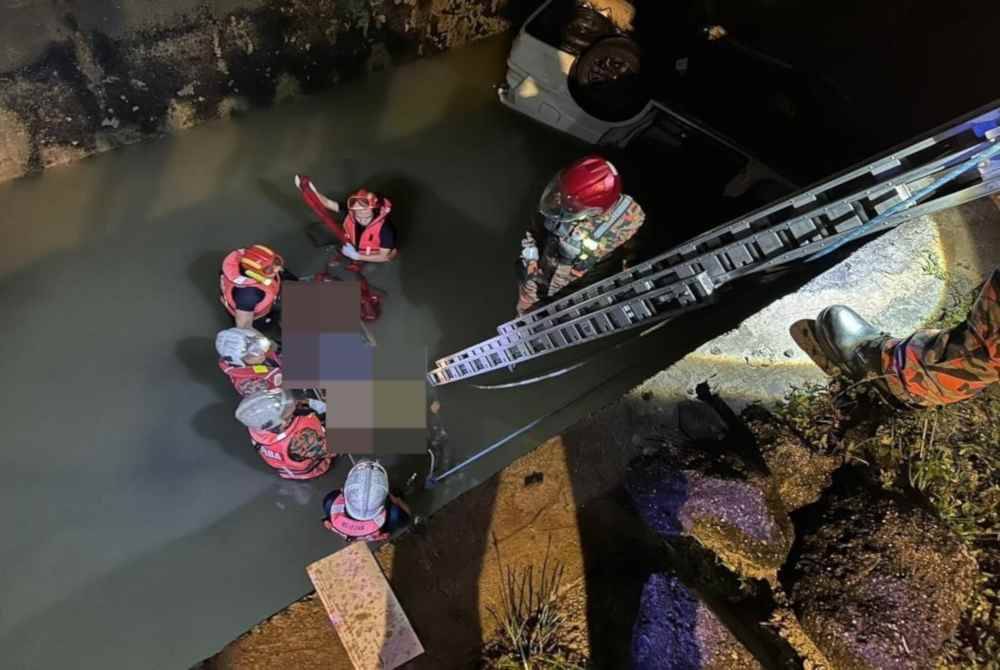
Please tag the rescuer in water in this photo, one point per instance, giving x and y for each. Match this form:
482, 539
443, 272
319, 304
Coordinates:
250, 286
365, 510
926, 368
287, 432
249, 359
370, 236
586, 217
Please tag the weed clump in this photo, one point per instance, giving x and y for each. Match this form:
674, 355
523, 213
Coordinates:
950, 457
947, 458
530, 622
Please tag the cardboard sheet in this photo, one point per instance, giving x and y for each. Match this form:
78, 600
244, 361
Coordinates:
362, 607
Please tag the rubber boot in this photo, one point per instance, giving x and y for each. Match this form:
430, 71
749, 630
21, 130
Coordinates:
850, 342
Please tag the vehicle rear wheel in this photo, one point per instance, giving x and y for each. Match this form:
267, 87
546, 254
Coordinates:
606, 80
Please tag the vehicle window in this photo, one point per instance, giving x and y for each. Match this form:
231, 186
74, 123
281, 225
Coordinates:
548, 25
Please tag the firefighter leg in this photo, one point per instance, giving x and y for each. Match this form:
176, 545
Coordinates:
270, 324
938, 367
527, 295
531, 286
563, 276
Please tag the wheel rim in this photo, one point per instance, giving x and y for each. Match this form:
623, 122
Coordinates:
608, 69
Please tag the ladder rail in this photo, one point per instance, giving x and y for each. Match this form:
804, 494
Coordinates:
807, 225
677, 289
672, 290
887, 161
843, 206
980, 190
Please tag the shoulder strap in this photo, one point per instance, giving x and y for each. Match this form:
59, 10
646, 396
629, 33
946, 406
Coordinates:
616, 215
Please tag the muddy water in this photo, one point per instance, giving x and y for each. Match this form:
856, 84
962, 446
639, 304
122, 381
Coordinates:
140, 528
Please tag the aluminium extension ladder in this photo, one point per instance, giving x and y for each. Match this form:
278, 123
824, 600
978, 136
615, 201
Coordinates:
874, 197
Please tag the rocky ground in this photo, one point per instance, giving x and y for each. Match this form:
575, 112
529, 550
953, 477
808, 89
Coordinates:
698, 546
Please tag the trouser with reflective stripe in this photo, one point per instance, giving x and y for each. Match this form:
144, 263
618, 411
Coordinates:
551, 276
938, 367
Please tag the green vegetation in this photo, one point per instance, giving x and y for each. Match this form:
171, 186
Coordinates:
931, 265
530, 625
950, 456
947, 457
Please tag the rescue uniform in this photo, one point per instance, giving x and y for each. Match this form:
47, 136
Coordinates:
249, 379
376, 236
237, 291
573, 249
299, 450
379, 235
392, 518
938, 367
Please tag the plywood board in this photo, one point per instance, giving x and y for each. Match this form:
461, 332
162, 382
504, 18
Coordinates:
362, 607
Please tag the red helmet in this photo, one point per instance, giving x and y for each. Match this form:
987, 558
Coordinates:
362, 200
261, 260
588, 187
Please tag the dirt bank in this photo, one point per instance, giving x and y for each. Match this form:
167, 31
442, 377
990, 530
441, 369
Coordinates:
565, 500
448, 574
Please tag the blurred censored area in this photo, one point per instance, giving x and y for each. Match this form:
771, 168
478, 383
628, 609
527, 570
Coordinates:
376, 399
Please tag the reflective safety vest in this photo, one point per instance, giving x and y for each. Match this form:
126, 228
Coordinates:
299, 451
252, 378
370, 234
579, 239
352, 529
231, 278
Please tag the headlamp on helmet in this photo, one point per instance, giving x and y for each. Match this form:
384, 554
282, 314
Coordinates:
237, 344
266, 410
583, 190
261, 263
366, 490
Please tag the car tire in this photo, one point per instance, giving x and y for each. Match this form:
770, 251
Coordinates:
606, 80
585, 28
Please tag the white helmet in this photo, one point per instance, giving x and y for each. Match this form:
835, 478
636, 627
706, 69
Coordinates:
235, 344
365, 490
266, 410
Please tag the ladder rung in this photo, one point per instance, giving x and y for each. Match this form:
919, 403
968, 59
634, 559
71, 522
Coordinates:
847, 224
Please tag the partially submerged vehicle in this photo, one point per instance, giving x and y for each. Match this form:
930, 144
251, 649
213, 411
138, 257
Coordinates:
608, 80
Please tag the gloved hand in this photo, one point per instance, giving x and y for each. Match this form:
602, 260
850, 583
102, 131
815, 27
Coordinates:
332, 205
581, 267
529, 250
349, 251
715, 32
317, 406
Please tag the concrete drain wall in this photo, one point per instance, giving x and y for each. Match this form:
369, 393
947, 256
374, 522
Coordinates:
83, 77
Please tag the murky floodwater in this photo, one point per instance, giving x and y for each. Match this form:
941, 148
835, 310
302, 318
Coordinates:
141, 529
